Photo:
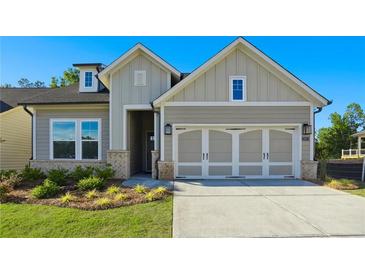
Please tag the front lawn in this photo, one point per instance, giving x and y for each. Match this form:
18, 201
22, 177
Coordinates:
141, 220
360, 191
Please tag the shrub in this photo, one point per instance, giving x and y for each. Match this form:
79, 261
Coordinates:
104, 202
160, 191
59, 175
105, 173
47, 189
151, 196
91, 183
113, 190
32, 174
12, 179
7, 173
120, 197
80, 173
5, 188
342, 184
68, 197
140, 189
91, 194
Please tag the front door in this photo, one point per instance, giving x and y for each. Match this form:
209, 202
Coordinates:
150, 144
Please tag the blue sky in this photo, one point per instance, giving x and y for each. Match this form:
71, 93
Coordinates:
334, 66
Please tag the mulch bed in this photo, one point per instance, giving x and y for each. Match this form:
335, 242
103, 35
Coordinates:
22, 194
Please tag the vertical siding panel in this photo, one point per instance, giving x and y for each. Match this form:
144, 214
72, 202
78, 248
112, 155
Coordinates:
155, 82
251, 80
263, 81
273, 88
189, 92
220, 82
200, 88
210, 84
241, 63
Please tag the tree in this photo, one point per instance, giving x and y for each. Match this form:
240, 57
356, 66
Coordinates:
25, 83
70, 76
5, 85
331, 140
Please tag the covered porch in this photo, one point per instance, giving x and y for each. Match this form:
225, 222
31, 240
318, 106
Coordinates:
359, 152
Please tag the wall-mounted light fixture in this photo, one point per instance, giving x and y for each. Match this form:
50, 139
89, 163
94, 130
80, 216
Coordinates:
168, 129
307, 129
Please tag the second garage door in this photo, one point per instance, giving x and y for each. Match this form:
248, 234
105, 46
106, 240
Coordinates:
233, 152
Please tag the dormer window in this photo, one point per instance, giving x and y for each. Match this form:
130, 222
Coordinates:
237, 88
88, 79
140, 78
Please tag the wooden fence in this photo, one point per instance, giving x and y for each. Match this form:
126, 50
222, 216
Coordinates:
349, 169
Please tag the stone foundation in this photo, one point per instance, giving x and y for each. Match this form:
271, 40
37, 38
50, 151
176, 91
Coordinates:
46, 165
309, 170
120, 162
155, 158
165, 170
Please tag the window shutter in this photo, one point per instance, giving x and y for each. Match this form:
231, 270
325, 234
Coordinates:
139, 78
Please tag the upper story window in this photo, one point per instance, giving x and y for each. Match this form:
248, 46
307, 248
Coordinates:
88, 79
237, 88
140, 78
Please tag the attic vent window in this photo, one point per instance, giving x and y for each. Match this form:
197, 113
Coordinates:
140, 78
88, 79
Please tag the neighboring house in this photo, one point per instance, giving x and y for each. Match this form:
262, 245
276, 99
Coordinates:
15, 128
355, 153
239, 115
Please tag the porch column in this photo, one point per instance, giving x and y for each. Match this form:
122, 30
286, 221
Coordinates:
359, 146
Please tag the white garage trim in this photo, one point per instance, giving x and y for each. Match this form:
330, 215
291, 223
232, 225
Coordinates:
235, 130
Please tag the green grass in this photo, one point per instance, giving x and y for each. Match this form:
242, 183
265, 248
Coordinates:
360, 191
32, 221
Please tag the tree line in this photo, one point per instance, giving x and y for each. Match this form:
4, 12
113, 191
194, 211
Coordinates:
69, 77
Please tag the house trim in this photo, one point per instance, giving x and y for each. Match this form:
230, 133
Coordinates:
162, 133
238, 104
125, 112
34, 140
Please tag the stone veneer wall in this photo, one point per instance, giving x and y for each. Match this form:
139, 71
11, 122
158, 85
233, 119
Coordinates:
309, 170
165, 170
155, 158
46, 165
120, 162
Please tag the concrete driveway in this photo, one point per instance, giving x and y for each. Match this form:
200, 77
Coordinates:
264, 208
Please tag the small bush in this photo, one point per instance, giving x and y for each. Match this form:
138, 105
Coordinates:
68, 197
91, 194
5, 188
47, 189
120, 197
7, 173
113, 190
140, 189
104, 202
91, 183
104, 173
80, 173
32, 174
12, 179
160, 191
342, 184
151, 196
59, 175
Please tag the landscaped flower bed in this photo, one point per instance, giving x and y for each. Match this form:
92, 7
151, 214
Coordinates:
84, 188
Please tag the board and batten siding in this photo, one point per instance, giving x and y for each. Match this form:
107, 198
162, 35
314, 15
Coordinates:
261, 84
123, 92
236, 115
43, 132
16, 136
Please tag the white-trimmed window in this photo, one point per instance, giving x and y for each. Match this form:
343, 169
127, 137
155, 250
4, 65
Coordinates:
237, 87
140, 78
88, 79
75, 139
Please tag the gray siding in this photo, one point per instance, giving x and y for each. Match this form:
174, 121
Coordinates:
236, 115
123, 91
43, 121
213, 85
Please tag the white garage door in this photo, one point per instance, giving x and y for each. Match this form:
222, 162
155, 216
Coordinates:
236, 152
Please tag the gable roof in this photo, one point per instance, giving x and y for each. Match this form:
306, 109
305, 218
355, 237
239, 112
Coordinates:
10, 97
137, 48
67, 95
315, 96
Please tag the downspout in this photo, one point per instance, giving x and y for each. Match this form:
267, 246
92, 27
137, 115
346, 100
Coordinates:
318, 110
32, 117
